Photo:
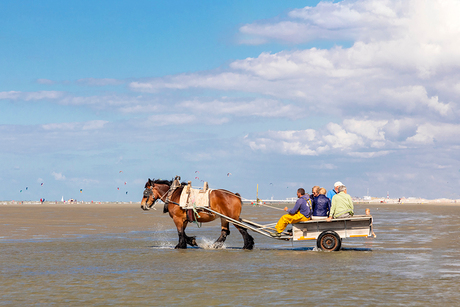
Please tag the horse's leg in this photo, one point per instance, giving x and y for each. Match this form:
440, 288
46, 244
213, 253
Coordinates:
190, 240
180, 225
225, 231
248, 239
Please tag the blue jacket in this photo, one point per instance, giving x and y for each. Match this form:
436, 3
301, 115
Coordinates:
302, 206
321, 206
331, 194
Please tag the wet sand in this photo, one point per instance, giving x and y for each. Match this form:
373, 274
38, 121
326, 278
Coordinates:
58, 220
51, 220
118, 255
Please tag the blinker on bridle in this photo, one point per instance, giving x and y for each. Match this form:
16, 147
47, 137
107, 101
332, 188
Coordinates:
148, 193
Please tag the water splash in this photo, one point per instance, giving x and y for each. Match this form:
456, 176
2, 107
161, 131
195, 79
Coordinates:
206, 243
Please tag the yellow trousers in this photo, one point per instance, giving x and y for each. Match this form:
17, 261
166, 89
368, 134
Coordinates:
290, 219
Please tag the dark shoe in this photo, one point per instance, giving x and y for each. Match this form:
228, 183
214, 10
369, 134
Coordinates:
275, 234
289, 232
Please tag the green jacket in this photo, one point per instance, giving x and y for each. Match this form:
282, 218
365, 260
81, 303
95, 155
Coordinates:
341, 204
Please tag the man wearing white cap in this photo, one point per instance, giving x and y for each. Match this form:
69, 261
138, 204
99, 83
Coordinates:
334, 191
342, 205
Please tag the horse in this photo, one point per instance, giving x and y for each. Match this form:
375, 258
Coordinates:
221, 201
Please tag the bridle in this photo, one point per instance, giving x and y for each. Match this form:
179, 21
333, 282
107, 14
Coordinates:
148, 192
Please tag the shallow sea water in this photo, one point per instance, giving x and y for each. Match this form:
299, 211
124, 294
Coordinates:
414, 261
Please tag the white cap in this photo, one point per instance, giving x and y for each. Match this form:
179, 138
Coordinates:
337, 184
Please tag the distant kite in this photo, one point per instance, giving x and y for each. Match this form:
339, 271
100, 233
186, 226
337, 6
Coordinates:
126, 192
20, 191
118, 189
228, 174
197, 178
125, 182
196, 172
81, 190
41, 183
120, 172
27, 188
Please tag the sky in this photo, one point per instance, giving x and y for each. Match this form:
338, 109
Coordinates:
98, 96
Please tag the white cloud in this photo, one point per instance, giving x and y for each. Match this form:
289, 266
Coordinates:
328, 166
257, 107
441, 133
354, 137
105, 101
100, 81
403, 52
89, 125
221, 81
346, 20
413, 97
171, 119
45, 81
286, 142
139, 108
58, 176
369, 154
27, 96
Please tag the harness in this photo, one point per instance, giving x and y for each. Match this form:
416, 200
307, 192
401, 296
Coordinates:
176, 183
191, 214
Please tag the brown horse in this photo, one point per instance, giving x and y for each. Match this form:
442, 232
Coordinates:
222, 201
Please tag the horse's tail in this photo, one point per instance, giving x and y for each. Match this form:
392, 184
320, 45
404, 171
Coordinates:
241, 199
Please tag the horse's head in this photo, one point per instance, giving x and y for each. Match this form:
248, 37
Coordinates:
149, 197
154, 190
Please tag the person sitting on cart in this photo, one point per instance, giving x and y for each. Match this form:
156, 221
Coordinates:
321, 205
314, 194
342, 205
300, 213
334, 191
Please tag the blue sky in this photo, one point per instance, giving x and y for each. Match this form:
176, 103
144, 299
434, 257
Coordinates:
283, 94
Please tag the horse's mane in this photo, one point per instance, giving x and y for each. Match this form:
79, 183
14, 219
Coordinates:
163, 181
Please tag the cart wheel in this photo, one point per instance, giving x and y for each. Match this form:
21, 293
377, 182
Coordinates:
329, 241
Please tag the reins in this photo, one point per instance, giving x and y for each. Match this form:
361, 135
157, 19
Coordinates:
268, 206
166, 201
